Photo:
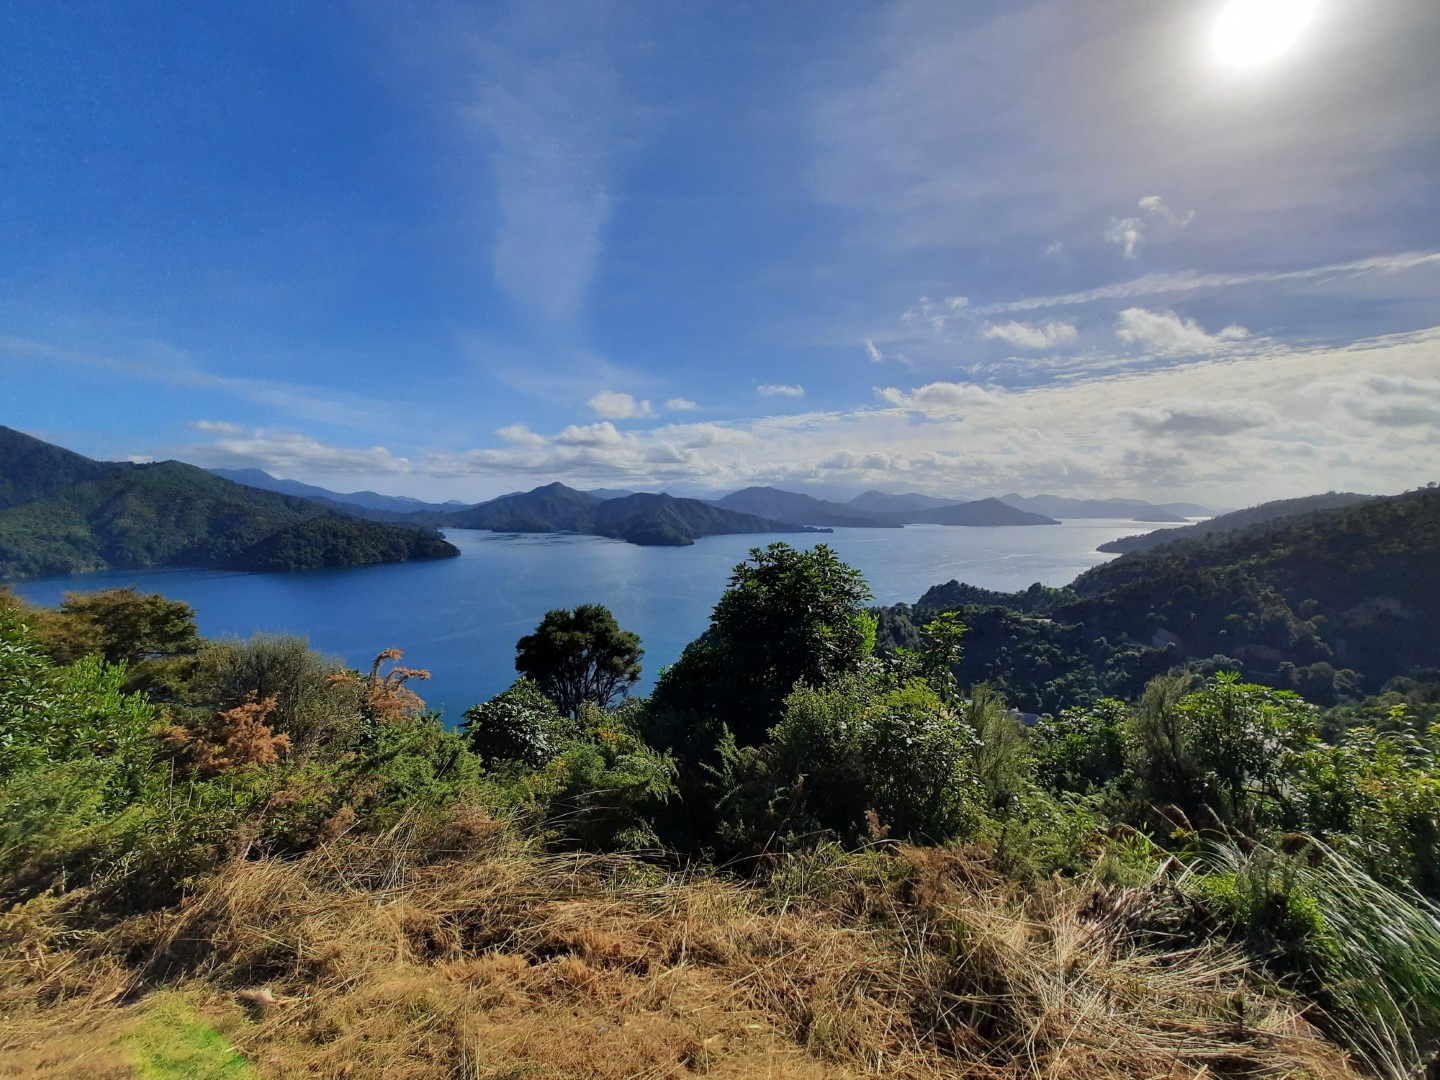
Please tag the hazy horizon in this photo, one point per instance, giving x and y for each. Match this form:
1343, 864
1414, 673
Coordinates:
1099, 248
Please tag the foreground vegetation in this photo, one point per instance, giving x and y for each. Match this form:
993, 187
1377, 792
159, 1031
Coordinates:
799, 857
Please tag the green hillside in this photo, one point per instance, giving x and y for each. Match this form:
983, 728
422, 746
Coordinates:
1331, 603
31, 468
1255, 520
172, 514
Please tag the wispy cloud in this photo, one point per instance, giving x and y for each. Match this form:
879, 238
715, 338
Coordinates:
780, 390
1045, 335
1155, 207
326, 405
547, 101
1127, 234
680, 404
290, 453
1185, 281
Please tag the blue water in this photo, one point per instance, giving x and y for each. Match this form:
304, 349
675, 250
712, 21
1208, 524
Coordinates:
460, 618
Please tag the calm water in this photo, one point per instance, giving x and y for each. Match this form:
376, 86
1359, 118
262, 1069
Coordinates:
461, 617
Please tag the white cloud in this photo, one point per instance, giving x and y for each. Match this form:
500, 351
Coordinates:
1231, 429
1045, 335
680, 404
939, 398
1166, 332
1127, 234
519, 433
873, 351
603, 433
1156, 208
613, 405
780, 390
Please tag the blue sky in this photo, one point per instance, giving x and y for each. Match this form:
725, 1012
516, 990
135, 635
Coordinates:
457, 249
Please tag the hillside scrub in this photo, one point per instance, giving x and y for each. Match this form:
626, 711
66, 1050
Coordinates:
804, 860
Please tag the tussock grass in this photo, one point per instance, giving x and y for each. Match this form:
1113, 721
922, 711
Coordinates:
456, 950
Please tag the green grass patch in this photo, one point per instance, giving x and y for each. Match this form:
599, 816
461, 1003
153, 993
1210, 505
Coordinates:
172, 1043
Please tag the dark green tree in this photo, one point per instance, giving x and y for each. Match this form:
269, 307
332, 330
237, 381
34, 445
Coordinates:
788, 617
579, 656
125, 625
518, 724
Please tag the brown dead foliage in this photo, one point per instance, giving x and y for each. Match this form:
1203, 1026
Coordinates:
228, 739
456, 950
386, 697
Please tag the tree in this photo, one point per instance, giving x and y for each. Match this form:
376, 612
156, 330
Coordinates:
518, 724
788, 617
579, 656
123, 624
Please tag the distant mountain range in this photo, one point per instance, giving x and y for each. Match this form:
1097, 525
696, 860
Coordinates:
78, 515
880, 502
870, 510
1134, 509
978, 512
61, 512
369, 500
802, 509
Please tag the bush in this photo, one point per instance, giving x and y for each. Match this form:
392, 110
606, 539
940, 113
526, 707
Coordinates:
519, 724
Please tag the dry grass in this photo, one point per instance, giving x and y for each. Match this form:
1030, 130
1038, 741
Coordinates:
383, 957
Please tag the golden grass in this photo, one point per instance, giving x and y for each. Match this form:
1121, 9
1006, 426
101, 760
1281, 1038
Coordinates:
469, 955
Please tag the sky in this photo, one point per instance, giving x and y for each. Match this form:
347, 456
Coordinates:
452, 249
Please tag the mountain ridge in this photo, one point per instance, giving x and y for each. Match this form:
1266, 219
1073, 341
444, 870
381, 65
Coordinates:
171, 514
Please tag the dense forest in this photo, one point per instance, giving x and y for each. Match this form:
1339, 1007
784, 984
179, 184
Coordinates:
1255, 520
1336, 604
78, 515
801, 856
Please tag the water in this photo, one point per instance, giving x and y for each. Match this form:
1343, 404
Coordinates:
460, 618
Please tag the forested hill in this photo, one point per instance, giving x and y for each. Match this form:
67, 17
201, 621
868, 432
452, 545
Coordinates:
1329, 603
1256, 520
31, 468
640, 518
172, 514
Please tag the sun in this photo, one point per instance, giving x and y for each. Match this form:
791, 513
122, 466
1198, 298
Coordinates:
1251, 32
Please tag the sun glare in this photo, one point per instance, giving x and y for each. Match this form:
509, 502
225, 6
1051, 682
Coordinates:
1251, 32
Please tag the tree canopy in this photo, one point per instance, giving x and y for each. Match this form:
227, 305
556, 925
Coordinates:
788, 617
579, 656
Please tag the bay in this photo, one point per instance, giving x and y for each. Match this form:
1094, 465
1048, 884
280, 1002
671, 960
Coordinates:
460, 618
